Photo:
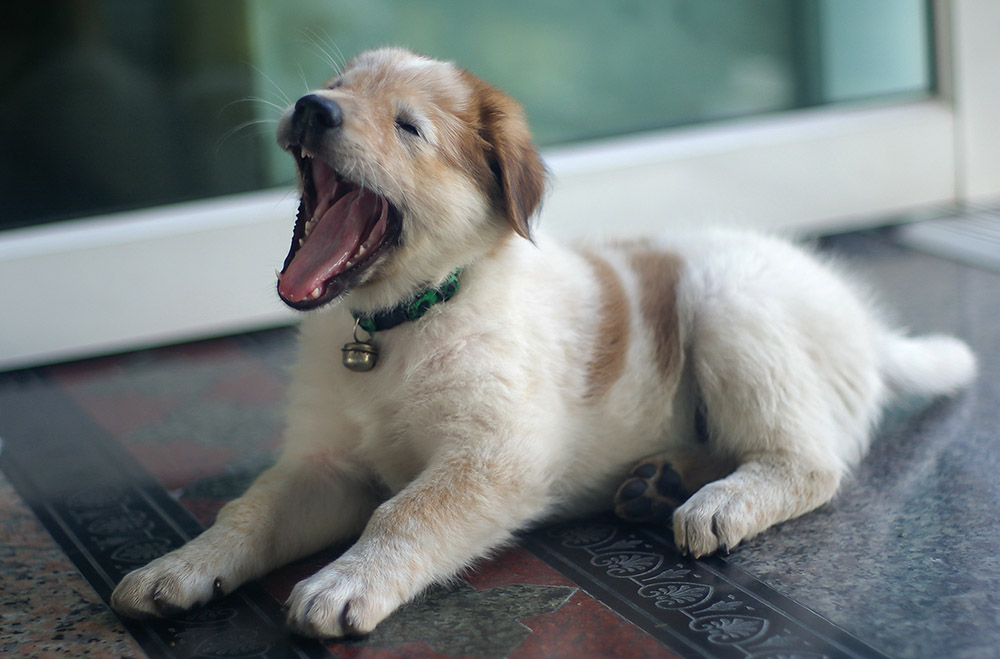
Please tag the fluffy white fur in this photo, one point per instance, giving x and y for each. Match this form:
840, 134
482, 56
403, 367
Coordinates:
533, 391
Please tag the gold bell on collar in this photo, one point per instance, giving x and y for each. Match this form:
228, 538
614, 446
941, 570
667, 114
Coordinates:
357, 355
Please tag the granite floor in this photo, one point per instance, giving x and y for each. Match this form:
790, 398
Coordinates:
108, 462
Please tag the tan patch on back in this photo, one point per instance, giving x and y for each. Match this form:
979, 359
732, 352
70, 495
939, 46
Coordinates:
658, 273
608, 359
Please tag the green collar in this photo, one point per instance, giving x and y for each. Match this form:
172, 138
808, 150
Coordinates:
412, 309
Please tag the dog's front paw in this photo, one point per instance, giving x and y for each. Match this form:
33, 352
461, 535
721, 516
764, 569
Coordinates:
337, 601
168, 586
716, 518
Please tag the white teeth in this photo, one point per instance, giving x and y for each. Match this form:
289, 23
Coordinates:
361, 251
305, 152
315, 293
277, 273
350, 264
300, 242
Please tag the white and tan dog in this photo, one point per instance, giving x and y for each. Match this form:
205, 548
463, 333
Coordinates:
746, 366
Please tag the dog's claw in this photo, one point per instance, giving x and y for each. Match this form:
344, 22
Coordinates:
164, 608
218, 589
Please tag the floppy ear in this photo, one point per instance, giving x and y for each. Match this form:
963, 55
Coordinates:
512, 156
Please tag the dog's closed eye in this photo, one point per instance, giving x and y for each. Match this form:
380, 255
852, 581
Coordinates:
406, 125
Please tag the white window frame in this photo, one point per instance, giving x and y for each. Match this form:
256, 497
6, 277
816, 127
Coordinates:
202, 269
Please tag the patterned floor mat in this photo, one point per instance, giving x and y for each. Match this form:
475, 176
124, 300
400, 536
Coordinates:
124, 458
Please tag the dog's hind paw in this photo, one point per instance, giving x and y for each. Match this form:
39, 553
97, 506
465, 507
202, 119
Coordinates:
651, 493
717, 518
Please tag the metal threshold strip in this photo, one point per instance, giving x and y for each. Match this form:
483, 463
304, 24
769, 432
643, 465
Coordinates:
971, 236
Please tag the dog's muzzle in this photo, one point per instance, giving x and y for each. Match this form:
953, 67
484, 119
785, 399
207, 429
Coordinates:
342, 227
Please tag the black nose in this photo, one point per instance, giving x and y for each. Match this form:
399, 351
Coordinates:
315, 114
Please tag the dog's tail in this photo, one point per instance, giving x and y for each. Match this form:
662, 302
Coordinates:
927, 366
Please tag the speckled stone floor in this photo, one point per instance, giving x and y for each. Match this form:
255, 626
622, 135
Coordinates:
108, 462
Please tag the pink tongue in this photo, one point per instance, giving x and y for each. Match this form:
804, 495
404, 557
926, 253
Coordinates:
331, 244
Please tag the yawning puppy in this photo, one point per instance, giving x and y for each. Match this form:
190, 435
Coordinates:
494, 379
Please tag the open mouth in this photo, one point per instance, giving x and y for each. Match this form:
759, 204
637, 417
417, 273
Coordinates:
340, 230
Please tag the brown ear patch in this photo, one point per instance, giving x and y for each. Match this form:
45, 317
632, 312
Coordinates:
658, 273
607, 362
511, 154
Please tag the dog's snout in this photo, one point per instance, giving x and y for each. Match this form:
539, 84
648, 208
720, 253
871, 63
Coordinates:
315, 113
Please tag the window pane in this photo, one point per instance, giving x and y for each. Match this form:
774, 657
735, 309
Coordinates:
115, 104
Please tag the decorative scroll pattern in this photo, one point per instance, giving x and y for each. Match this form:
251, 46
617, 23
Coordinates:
110, 517
123, 530
690, 605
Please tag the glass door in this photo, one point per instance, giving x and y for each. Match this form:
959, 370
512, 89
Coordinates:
145, 201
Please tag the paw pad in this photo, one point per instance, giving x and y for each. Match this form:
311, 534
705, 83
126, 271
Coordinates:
651, 493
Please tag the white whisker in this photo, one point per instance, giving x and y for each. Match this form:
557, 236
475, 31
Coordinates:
257, 100
282, 96
326, 48
302, 74
252, 123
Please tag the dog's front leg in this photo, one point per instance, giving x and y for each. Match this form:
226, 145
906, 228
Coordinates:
293, 509
453, 513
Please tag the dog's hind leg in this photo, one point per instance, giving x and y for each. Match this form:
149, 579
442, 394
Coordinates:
763, 491
712, 511
770, 416
293, 509
790, 388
